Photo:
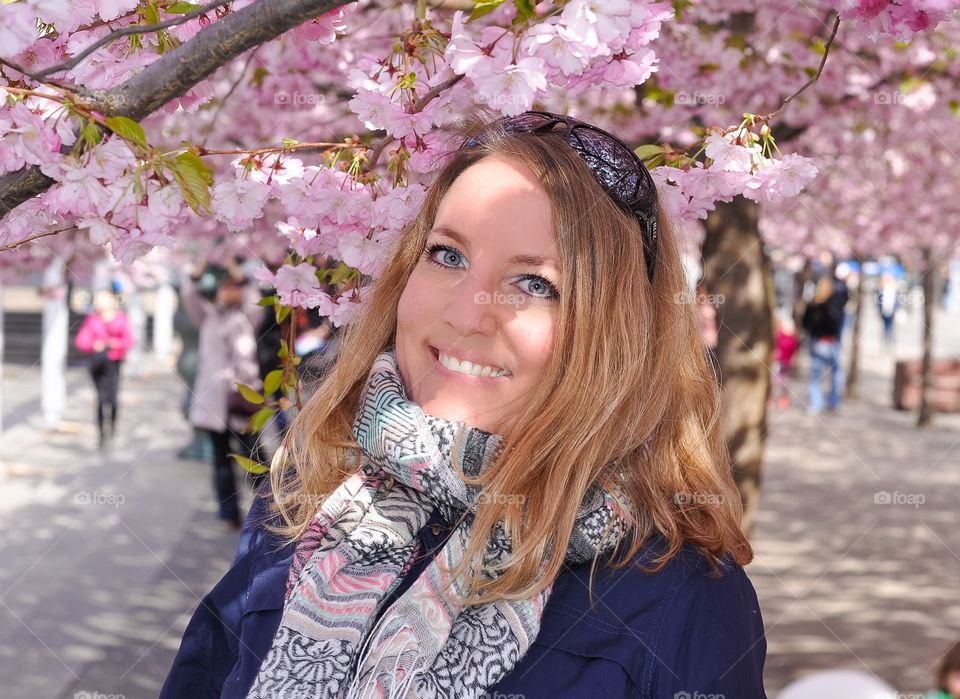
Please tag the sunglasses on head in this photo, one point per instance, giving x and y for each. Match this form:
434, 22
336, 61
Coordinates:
614, 165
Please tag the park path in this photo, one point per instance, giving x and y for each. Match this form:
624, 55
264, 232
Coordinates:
105, 555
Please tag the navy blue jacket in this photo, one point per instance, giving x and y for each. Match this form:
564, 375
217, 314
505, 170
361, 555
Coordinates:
647, 635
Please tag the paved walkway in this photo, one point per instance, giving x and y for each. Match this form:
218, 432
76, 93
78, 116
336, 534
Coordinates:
105, 555
857, 540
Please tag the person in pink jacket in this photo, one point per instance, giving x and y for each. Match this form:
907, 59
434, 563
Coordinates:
105, 334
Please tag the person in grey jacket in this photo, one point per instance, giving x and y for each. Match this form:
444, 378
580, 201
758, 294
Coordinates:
227, 356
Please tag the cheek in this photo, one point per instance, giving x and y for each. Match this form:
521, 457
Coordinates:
533, 338
416, 309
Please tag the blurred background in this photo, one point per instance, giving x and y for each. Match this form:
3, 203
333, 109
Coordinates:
109, 538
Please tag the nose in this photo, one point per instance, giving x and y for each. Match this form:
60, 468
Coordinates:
470, 307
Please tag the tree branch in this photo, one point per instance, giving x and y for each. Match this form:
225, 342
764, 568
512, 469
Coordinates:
126, 31
814, 77
44, 234
179, 70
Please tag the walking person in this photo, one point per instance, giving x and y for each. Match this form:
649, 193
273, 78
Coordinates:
785, 351
948, 675
105, 335
888, 301
822, 321
513, 480
227, 356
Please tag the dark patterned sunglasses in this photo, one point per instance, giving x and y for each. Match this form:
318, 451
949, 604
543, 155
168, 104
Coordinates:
616, 167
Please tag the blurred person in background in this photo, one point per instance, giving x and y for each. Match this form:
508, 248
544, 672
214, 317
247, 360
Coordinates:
707, 315
887, 304
948, 676
105, 335
227, 356
785, 351
822, 321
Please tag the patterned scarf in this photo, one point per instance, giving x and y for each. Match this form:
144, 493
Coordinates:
362, 542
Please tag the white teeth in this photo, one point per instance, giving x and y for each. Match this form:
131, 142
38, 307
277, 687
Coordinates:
469, 368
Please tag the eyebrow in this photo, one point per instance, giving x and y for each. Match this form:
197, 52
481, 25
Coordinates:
532, 260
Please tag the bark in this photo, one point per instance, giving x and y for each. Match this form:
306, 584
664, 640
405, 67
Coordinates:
179, 70
925, 412
736, 270
853, 374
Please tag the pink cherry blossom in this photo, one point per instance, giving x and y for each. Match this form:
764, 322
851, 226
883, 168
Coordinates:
594, 25
297, 285
554, 44
782, 178
509, 88
237, 202
462, 53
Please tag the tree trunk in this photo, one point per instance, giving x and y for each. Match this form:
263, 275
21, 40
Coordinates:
737, 273
853, 374
925, 414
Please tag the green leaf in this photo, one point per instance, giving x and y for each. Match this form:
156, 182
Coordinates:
259, 73
181, 8
194, 179
250, 465
251, 395
341, 273
127, 129
525, 8
282, 312
90, 134
260, 418
648, 151
267, 300
272, 382
483, 7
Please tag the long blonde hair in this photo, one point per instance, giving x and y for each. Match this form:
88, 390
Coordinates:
627, 399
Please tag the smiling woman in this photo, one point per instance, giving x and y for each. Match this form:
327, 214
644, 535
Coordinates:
477, 316
522, 416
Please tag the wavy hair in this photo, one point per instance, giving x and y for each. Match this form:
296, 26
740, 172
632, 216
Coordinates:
628, 398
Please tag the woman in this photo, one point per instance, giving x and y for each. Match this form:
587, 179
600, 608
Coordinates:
822, 322
524, 409
105, 333
227, 356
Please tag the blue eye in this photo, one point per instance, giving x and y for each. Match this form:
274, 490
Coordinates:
539, 287
450, 256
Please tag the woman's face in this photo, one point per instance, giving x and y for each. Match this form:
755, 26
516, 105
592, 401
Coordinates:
485, 292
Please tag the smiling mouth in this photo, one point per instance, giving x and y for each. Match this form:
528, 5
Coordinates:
466, 368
